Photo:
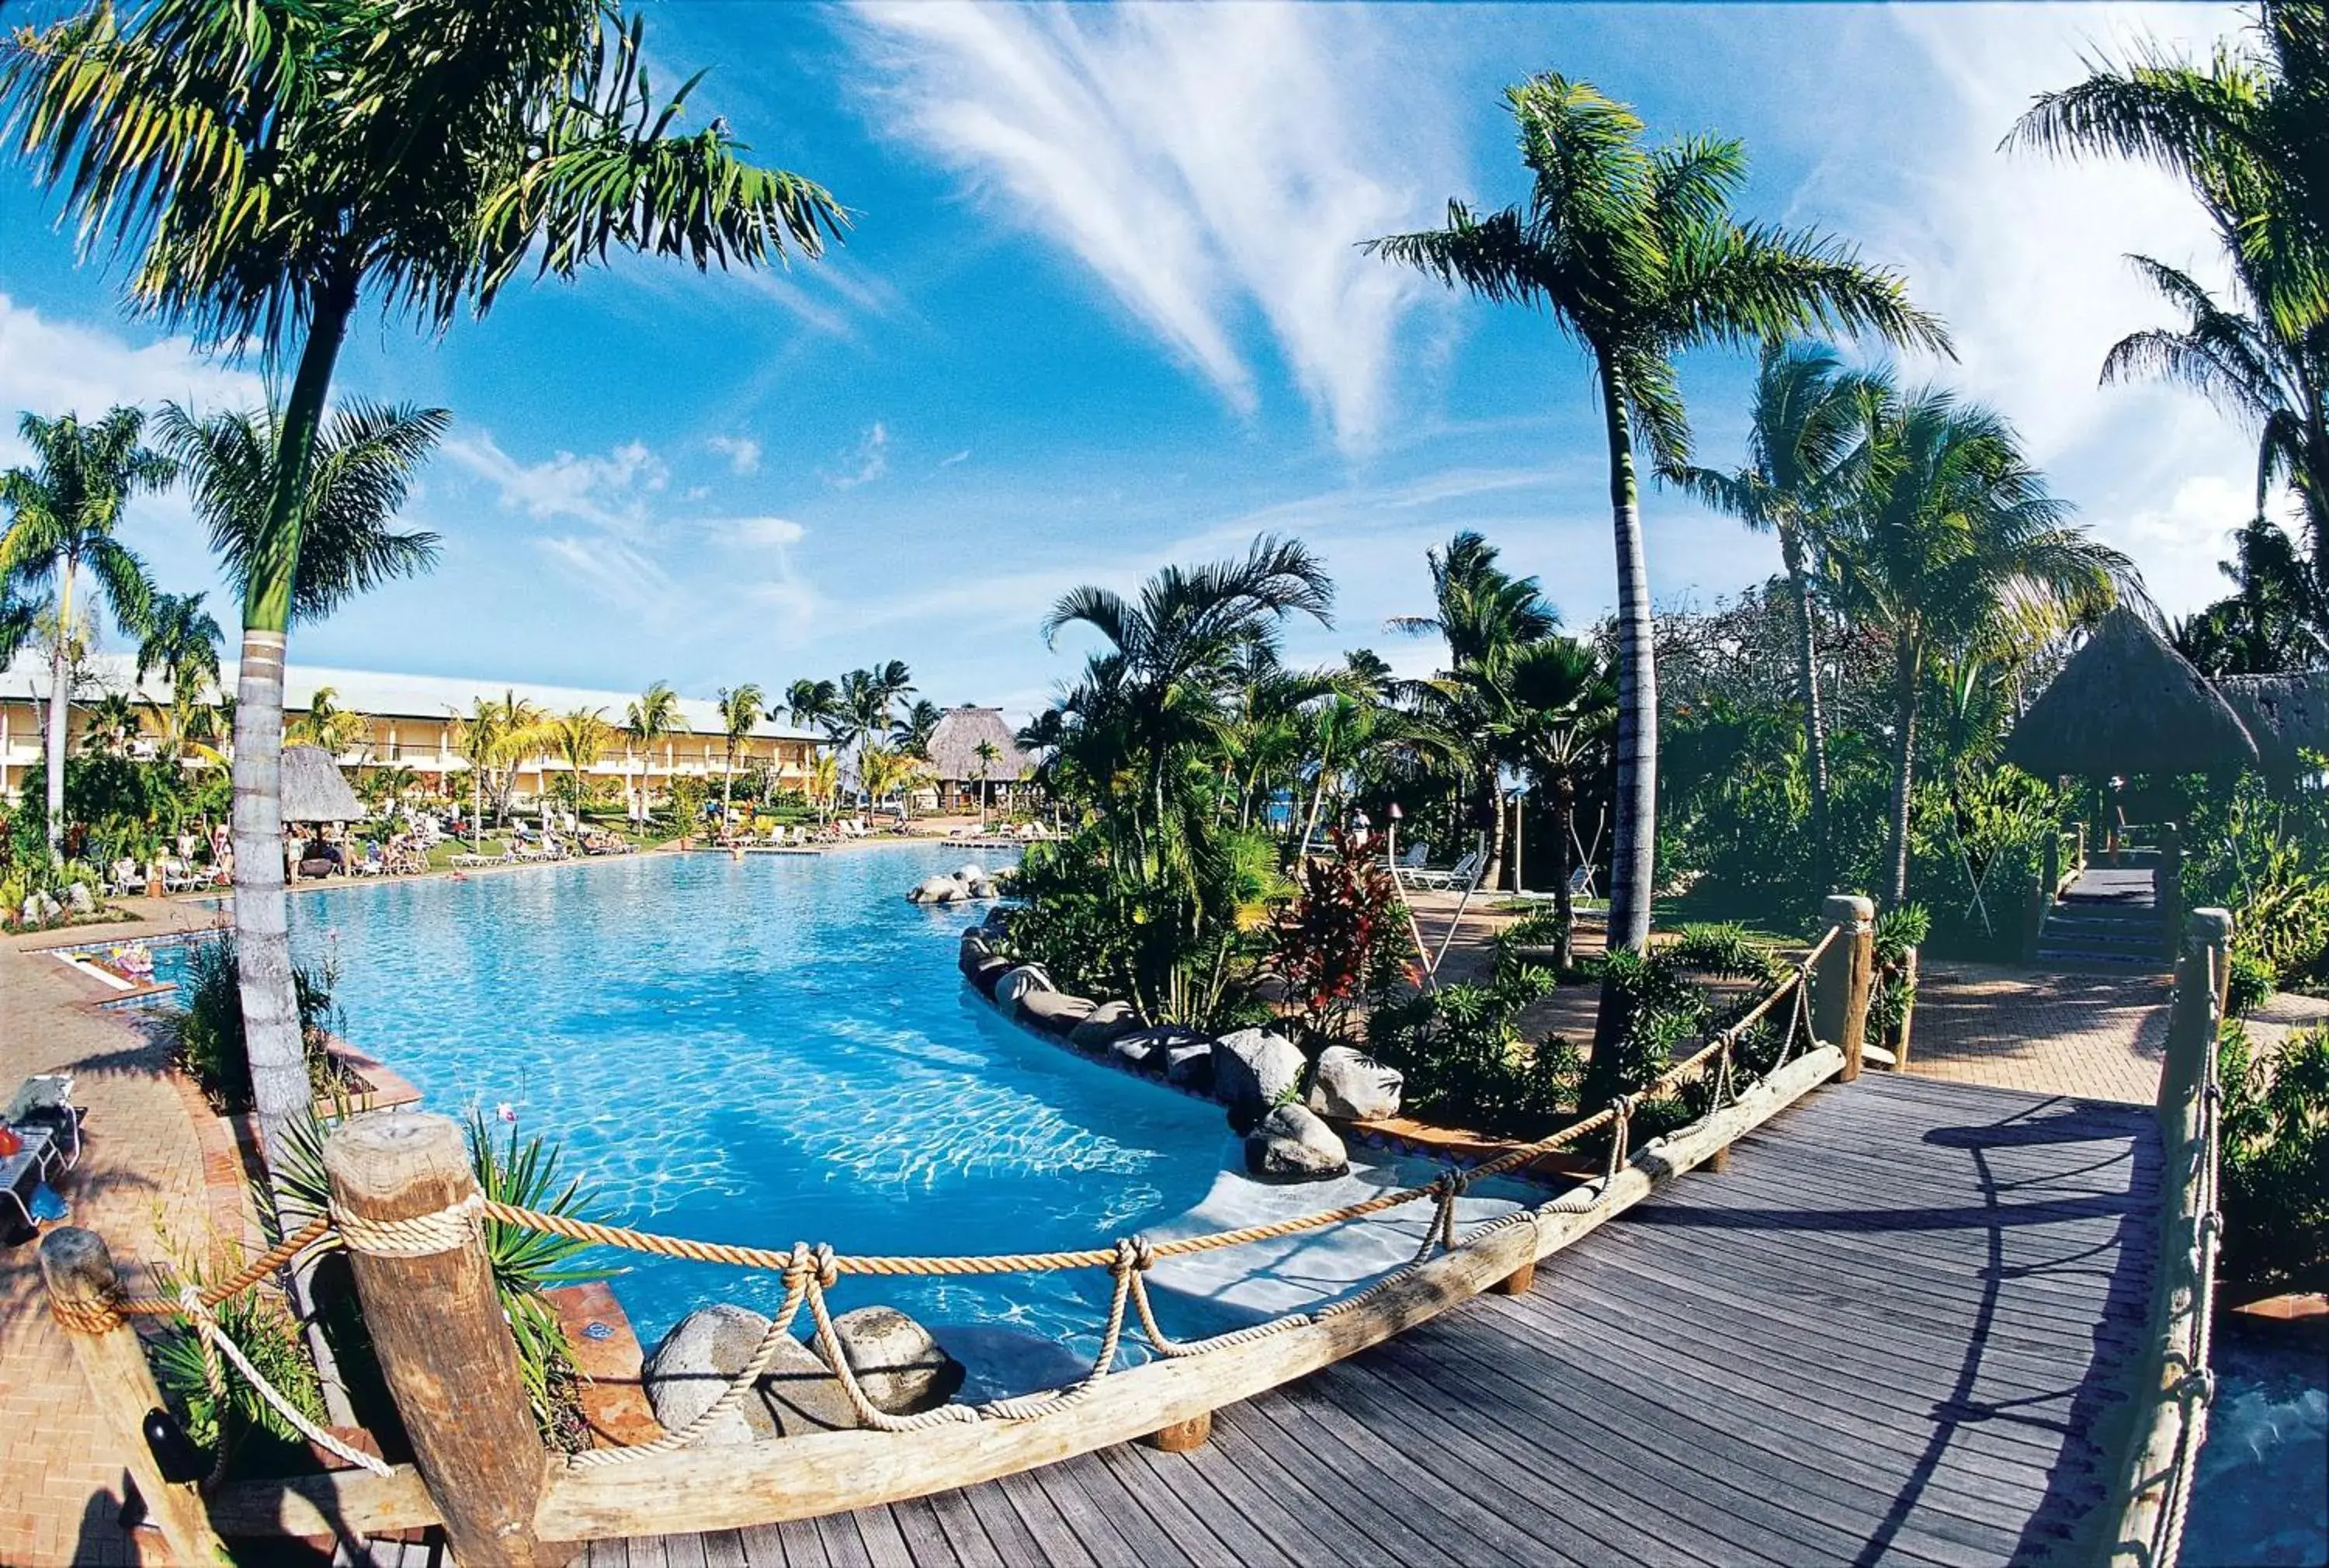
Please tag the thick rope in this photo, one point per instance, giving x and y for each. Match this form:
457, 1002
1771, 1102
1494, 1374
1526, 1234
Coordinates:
258, 1269
199, 1313
423, 1235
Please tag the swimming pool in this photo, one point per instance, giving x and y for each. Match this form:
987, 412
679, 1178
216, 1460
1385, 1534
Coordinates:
768, 1050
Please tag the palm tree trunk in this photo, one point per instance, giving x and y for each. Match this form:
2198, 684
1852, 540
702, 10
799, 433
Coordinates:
1492, 800
1904, 754
1791, 551
1633, 854
60, 703
1564, 817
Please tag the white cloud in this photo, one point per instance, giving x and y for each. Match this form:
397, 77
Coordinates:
609, 490
1203, 160
871, 456
52, 367
744, 453
961, 456
761, 532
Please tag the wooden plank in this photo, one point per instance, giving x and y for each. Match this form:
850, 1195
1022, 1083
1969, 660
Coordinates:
883, 1541
1113, 1540
843, 1547
926, 1538
1294, 1458
963, 1530
1157, 1483
724, 1549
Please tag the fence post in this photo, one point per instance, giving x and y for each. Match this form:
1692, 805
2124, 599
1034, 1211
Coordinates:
82, 1289
405, 1198
1909, 1010
1840, 982
2198, 1012
2169, 886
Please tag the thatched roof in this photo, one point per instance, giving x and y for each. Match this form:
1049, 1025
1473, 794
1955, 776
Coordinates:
2129, 703
2286, 714
954, 747
313, 789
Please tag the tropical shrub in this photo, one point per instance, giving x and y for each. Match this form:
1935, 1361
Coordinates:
2274, 1162
1466, 1063
2265, 861
1342, 935
255, 1320
1894, 992
205, 1035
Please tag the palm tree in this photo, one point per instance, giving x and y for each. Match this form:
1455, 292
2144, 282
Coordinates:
1565, 698
1635, 254
881, 769
824, 782
338, 730
270, 178
494, 737
652, 715
113, 724
1954, 546
579, 739
740, 712
182, 640
1797, 437
813, 702
989, 754
911, 734
62, 517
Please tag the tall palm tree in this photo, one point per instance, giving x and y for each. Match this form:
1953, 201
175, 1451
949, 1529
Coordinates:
813, 703
1565, 709
652, 715
824, 782
739, 713
911, 734
989, 754
1486, 617
1954, 546
182, 640
1635, 254
1798, 434
338, 730
273, 175
579, 739
61, 518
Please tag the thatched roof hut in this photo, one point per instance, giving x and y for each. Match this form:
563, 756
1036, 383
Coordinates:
313, 789
2129, 703
2286, 715
954, 747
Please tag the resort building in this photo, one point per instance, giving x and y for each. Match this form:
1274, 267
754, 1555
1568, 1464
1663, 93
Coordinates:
410, 721
963, 771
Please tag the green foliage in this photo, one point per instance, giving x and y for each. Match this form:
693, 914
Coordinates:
205, 1035
2274, 1162
525, 1172
1894, 993
257, 1322
1335, 940
2268, 863
685, 797
1464, 1062
2249, 986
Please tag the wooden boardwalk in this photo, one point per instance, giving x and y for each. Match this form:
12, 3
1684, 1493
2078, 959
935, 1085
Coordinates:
1890, 1332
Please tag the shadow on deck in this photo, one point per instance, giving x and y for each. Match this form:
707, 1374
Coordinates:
1886, 1334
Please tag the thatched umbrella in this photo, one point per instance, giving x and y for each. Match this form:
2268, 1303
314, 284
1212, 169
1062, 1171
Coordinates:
2286, 714
313, 789
2129, 703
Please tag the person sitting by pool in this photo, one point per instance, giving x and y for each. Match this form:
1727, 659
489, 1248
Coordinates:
321, 858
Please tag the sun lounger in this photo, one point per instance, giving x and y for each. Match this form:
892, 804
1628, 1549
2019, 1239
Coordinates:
1459, 875
20, 1172
44, 1103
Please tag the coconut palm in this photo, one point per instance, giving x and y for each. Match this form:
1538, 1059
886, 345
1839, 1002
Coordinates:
882, 770
1798, 434
338, 730
1564, 710
113, 722
182, 640
824, 782
579, 739
652, 715
988, 753
813, 703
740, 714
911, 734
17, 617
273, 175
494, 737
1954, 546
61, 518
1635, 254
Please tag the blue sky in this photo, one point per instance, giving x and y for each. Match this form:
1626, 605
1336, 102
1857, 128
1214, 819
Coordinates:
1101, 308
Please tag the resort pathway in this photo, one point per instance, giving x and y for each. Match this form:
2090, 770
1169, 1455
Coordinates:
2098, 1035
1887, 1334
149, 1181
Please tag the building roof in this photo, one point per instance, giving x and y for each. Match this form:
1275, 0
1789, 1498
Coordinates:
954, 747
313, 789
2286, 714
382, 696
2129, 703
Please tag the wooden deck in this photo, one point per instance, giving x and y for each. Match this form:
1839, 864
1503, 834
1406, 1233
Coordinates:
1886, 1334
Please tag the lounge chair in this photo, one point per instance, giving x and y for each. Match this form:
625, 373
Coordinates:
21, 1171
1457, 876
178, 876
44, 1103
1417, 859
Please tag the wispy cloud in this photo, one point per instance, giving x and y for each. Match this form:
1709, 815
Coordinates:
744, 453
608, 489
953, 458
52, 367
1204, 161
869, 459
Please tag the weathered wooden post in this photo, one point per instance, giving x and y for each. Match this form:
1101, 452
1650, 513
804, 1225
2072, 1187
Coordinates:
1182, 1436
1908, 1012
2199, 1011
2168, 886
1840, 980
406, 1202
82, 1290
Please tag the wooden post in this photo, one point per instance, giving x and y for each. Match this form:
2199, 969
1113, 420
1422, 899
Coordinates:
1718, 1161
445, 1348
1182, 1436
82, 1289
1908, 1012
2168, 883
2198, 1011
1840, 978
1517, 1282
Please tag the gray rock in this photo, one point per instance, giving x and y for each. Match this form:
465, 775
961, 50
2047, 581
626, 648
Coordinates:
1254, 1069
1190, 1065
937, 890
1107, 1023
1350, 1086
1053, 1012
1018, 982
903, 1369
970, 871
1292, 1144
983, 889
691, 1368
1136, 1053
78, 896
975, 952
801, 1395
988, 972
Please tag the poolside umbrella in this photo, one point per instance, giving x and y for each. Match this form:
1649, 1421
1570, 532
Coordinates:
313, 789
2129, 703
2287, 715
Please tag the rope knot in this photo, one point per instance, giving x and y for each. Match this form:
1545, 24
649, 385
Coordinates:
1451, 1183
1133, 1254
100, 1316
807, 1262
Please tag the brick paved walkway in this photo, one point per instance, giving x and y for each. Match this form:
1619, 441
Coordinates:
2097, 1037
147, 1182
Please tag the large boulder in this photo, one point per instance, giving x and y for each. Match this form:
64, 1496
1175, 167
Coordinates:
78, 896
975, 951
702, 1354
937, 890
970, 871
1017, 983
1254, 1069
1190, 1065
901, 1368
990, 971
1053, 1012
1292, 1144
1350, 1086
1107, 1023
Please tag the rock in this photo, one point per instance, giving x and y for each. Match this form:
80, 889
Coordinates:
970, 871
1190, 1065
1139, 1055
903, 1369
1292, 1144
1053, 1012
1254, 1069
1149, 1048
1350, 1086
79, 897
975, 952
1018, 982
1104, 1025
989, 971
997, 921
693, 1365
937, 890
984, 890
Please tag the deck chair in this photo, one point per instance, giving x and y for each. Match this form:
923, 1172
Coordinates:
1459, 875
43, 1104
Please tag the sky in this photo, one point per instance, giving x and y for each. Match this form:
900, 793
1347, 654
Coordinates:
1101, 307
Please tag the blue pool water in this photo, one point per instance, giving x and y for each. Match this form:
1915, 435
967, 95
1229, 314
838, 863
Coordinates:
2261, 1495
766, 1051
